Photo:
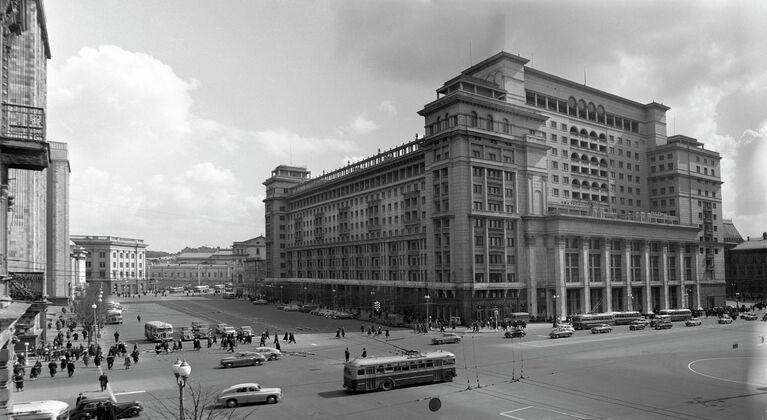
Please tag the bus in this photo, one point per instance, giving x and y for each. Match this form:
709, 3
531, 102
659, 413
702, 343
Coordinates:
114, 316
176, 289
219, 288
387, 372
677, 314
626, 317
201, 289
158, 331
586, 321
39, 410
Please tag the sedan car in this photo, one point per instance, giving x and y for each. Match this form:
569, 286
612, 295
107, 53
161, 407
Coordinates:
514, 332
692, 322
637, 325
88, 406
601, 328
724, 319
246, 331
446, 338
260, 302
560, 332
248, 393
220, 328
269, 352
245, 358
750, 317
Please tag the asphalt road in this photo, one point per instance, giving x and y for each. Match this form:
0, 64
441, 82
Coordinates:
707, 372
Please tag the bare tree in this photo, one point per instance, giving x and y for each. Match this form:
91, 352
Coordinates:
199, 404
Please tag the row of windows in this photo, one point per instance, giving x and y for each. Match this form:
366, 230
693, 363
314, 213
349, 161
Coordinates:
580, 109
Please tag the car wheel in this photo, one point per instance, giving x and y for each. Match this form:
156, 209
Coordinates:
387, 385
231, 403
271, 399
228, 365
134, 412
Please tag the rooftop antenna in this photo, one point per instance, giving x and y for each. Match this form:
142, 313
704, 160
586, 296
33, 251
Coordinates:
584, 75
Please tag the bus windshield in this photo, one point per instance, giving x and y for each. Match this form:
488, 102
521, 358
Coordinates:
39, 410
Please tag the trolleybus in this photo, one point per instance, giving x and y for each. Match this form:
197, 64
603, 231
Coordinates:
677, 314
158, 331
387, 372
626, 317
586, 321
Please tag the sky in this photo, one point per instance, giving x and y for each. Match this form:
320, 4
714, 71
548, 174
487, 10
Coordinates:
176, 111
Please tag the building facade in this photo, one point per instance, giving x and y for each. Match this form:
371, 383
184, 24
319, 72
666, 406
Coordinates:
116, 264
747, 270
527, 193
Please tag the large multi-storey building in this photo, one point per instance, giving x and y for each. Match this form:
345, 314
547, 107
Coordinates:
528, 192
117, 264
747, 269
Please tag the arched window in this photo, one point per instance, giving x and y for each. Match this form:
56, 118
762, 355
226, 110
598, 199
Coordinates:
584, 133
573, 131
585, 184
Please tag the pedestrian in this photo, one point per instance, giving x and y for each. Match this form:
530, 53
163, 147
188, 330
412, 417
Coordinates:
75, 336
292, 338
276, 339
52, 366
79, 398
346, 353
262, 343
110, 411
286, 336
103, 380
127, 362
338, 333
387, 333
63, 363
110, 361
97, 359
70, 368
117, 336
36, 369
18, 379
135, 356
210, 342
138, 318
277, 346
343, 332
364, 352
158, 348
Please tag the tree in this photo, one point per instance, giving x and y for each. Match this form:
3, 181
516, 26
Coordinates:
199, 404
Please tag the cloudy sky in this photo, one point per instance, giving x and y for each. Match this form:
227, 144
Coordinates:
176, 111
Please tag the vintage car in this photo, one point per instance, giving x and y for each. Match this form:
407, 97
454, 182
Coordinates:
638, 324
246, 331
601, 328
197, 324
663, 325
446, 338
724, 319
750, 317
87, 407
202, 332
269, 352
260, 302
248, 393
244, 358
513, 332
560, 331
692, 322
186, 334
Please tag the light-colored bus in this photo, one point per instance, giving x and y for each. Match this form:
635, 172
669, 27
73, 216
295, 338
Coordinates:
201, 289
176, 289
39, 410
387, 372
626, 317
158, 331
219, 288
677, 314
586, 321
114, 316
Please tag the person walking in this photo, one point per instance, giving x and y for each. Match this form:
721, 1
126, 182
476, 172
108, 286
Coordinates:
346, 353
138, 318
292, 338
18, 379
127, 362
117, 336
36, 369
70, 368
134, 355
103, 381
364, 352
52, 366
110, 361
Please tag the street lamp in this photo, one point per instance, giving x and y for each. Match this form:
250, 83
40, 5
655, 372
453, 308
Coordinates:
428, 318
304, 295
281, 301
95, 326
26, 354
556, 319
631, 302
334, 298
181, 370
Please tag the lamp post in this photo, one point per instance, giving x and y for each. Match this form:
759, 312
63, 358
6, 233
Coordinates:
334, 298
631, 302
304, 295
556, 319
428, 317
26, 353
95, 326
281, 301
182, 370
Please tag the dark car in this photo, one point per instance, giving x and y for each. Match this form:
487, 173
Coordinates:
245, 358
87, 408
637, 325
514, 332
601, 328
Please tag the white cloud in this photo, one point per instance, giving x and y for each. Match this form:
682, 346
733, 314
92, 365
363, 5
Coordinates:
388, 107
359, 125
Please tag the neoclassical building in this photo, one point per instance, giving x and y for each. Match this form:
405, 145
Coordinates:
527, 193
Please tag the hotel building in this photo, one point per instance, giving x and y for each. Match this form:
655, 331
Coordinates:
527, 193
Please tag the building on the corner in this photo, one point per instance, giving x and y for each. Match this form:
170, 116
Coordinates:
528, 192
116, 264
77, 255
747, 269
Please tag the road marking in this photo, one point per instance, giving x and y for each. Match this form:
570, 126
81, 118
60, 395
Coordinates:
129, 392
689, 366
566, 414
506, 413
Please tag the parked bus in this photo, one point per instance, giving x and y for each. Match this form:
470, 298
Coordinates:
177, 289
219, 288
387, 372
586, 321
677, 314
158, 331
114, 316
39, 410
626, 317
201, 289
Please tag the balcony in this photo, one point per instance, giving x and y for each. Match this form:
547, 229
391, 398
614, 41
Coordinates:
22, 137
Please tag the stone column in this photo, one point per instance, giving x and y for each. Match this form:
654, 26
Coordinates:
696, 273
663, 272
645, 246
559, 276
584, 273
626, 274
606, 275
532, 288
